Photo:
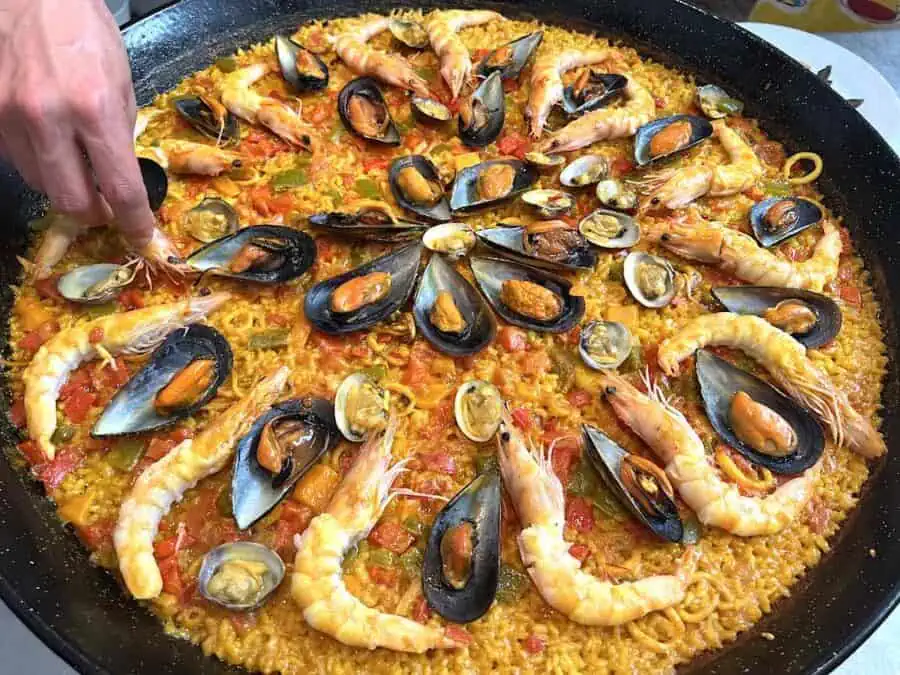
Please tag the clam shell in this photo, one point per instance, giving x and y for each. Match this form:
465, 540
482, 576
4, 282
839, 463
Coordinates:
464, 390
633, 261
620, 336
241, 550
631, 231
549, 203
218, 207
340, 405
453, 240
585, 170
74, 284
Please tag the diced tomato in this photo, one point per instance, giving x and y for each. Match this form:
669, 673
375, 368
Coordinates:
52, 473
172, 545
650, 353
535, 362
296, 513
360, 351
441, 462
621, 166
171, 576
522, 418
510, 85
660, 103
846, 242
851, 295
441, 418
579, 551
534, 644
17, 413
514, 144
131, 299
278, 320
159, 448
580, 514
76, 406
566, 453
421, 612
479, 54
46, 288
31, 452
413, 138
283, 542
96, 335
109, 377
419, 365
98, 534
384, 576
392, 536
818, 515
376, 162
573, 336
458, 635
579, 398
33, 340
512, 339
316, 113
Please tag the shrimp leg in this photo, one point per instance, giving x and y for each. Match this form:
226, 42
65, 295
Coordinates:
442, 28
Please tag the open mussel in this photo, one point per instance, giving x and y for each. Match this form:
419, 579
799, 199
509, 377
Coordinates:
549, 203
756, 419
779, 218
716, 103
477, 408
453, 240
95, 284
650, 279
490, 182
548, 243
360, 407
372, 221
302, 69
181, 376
450, 313
266, 254
366, 295
363, 110
211, 219
430, 110
811, 318
639, 484
409, 33
511, 58
615, 194
281, 446
591, 91
240, 575
527, 296
209, 117
610, 229
482, 114
155, 180
417, 187
604, 345
585, 170
665, 137
461, 568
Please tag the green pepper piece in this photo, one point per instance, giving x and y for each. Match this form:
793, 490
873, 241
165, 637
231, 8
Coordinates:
564, 364
376, 372
777, 188
441, 147
606, 503
414, 526
426, 73
336, 196
485, 463
126, 453
511, 585
367, 188
223, 502
227, 64
289, 179
382, 557
63, 434
411, 562
269, 339
583, 480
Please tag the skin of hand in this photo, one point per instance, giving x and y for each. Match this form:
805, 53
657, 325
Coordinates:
67, 111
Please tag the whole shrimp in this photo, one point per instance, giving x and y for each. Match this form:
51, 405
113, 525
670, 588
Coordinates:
547, 85
715, 501
198, 159
786, 360
676, 188
165, 482
539, 500
316, 583
132, 332
604, 124
352, 49
442, 26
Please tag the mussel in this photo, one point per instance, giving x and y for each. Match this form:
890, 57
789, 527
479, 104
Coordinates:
453, 240
366, 295
211, 219
610, 229
756, 419
266, 254
461, 568
409, 33
281, 446
542, 161
669, 135
209, 117
639, 484
360, 407
95, 284
430, 110
591, 91
363, 110
417, 187
779, 218
527, 296
302, 69
240, 576
156, 183
615, 194
811, 318
548, 243
372, 221
181, 376
477, 408
716, 103
511, 58
450, 313
585, 170
490, 182
604, 345
481, 115
549, 203
650, 279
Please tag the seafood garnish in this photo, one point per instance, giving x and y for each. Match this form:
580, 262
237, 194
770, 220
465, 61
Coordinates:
240, 575
442, 26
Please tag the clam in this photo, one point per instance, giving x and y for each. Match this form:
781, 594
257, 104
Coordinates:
417, 187
511, 58
650, 279
181, 376
360, 407
756, 419
477, 408
549, 243
211, 219
481, 115
95, 284
490, 182
542, 161
366, 295
549, 203
156, 183
363, 110
429, 110
639, 484
453, 240
811, 318
372, 221
266, 254
450, 313
410, 33
281, 446
604, 345
240, 576
614, 194
461, 568
610, 229
668, 136
209, 117
779, 218
591, 91
527, 296
585, 170
716, 103
302, 69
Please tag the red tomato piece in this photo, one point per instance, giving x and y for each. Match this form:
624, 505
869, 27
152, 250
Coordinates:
392, 536
171, 576
17, 414
441, 462
46, 288
579, 551
534, 644
33, 340
31, 452
76, 406
514, 144
621, 166
458, 634
278, 320
421, 612
580, 514
851, 295
513, 339
384, 576
96, 335
375, 162
579, 398
109, 377
52, 473
522, 418
97, 535
296, 513
131, 299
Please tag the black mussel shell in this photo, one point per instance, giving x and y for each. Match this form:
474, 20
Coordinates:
701, 129
370, 225
287, 52
481, 327
488, 103
511, 242
759, 299
292, 253
478, 503
200, 116
490, 273
606, 456
464, 193
403, 266
430, 110
789, 216
720, 381
132, 409
368, 89
601, 90
253, 491
519, 51
155, 182
439, 212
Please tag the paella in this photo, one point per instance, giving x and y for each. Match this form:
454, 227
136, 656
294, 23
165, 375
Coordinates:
462, 344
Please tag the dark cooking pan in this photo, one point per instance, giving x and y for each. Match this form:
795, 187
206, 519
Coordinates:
81, 613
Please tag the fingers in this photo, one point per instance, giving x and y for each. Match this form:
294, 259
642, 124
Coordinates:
18, 151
